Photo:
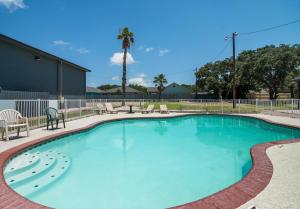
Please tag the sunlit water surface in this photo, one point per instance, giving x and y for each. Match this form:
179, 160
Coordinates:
155, 163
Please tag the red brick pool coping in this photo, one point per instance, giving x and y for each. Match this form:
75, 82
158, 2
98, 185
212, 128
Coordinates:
229, 198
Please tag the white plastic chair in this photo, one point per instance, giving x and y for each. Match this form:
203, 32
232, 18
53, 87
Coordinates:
12, 119
100, 108
163, 109
109, 108
149, 109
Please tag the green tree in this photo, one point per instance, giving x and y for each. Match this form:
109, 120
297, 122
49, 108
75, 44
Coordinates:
246, 79
291, 84
189, 86
215, 77
107, 87
270, 66
159, 82
127, 38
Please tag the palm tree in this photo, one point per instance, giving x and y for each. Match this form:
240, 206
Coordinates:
159, 82
127, 40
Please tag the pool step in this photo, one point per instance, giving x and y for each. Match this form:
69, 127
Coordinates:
49, 168
46, 162
21, 163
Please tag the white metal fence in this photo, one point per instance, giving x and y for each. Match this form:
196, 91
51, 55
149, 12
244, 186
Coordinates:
78, 108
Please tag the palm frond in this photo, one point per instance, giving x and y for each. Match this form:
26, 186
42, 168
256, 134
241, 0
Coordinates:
127, 37
119, 37
132, 40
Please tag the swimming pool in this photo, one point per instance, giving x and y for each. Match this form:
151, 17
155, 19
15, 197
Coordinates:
142, 163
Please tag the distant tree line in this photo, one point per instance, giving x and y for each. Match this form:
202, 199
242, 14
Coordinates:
107, 87
271, 68
159, 82
138, 87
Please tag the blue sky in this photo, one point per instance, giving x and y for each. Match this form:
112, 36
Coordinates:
172, 36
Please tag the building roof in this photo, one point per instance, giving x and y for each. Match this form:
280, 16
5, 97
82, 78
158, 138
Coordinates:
119, 89
152, 89
93, 90
175, 88
173, 85
39, 51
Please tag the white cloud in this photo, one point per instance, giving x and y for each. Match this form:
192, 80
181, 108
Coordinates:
117, 59
115, 78
69, 46
82, 51
60, 42
13, 5
92, 84
162, 52
142, 47
140, 79
145, 48
149, 49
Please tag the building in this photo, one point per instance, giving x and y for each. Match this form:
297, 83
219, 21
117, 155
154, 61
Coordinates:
152, 90
175, 88
24, 68
118, 91
92, 92
263, 94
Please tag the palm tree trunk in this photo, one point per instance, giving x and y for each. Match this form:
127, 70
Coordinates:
160, 90
124, 76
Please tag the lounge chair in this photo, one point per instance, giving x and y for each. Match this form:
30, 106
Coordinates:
149, 109
53, 115
163, 109
110, 109
100, 109
12, 119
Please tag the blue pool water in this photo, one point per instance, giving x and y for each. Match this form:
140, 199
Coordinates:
141, 164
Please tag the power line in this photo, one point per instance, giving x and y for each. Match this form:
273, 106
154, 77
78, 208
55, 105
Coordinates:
215, 57
270, 28
240, 34
246, 33
222, 50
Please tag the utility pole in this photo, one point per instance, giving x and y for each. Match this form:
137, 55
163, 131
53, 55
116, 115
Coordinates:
234, 70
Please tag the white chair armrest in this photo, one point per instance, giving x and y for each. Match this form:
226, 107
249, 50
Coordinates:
23, 119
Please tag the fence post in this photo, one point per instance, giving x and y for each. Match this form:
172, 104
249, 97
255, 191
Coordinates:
39, 112
222, 106
80, 107
271, 105
66, 108
239, 105
256, 105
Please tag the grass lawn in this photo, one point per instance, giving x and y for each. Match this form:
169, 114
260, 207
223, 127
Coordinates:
209, 106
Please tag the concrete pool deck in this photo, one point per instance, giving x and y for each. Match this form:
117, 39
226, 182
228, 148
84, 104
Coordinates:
75, 124
281, 192
284, 188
